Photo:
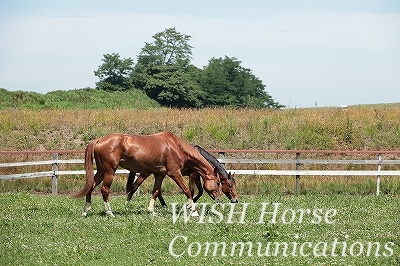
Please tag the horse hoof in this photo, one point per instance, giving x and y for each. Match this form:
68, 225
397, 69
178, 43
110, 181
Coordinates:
195, 214
109, 213
84, 214
151, 211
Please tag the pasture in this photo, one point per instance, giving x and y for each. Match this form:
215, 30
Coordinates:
40, 229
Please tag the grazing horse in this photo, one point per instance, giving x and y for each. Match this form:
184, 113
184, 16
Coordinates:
158, 154
227, 181
228, 186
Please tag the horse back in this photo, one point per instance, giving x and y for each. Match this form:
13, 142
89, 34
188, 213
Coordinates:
141, 153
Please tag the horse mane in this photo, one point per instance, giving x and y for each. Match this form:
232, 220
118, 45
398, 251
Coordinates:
188, 148
213, 161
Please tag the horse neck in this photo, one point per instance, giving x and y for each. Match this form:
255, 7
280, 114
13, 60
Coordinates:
200, 163
213, 161
202, 166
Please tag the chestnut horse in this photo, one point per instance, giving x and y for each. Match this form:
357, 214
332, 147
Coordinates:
158, 154
227, 182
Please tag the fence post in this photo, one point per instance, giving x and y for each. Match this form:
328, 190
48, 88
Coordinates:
378, 178
221, 156
54, 168
297, 176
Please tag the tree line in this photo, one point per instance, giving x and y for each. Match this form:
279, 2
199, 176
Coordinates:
164, 72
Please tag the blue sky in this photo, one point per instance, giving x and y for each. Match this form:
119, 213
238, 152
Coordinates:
305, 52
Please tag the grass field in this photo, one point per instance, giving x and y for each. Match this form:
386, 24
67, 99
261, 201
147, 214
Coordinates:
345, 230
38, 229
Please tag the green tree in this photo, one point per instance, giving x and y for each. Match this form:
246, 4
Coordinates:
163, 70
226, 83
114, 73
168, 48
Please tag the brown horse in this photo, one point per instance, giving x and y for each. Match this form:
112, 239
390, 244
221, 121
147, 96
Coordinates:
227, 181
158, 154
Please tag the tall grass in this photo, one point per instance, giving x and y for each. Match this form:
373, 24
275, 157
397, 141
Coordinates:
359, 128
372, 127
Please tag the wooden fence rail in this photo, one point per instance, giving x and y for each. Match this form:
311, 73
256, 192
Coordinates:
297, 162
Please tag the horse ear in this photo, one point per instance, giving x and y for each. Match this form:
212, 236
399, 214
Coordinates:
230, 175
215, 171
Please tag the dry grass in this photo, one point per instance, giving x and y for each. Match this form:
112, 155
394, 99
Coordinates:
358, 128
363, 127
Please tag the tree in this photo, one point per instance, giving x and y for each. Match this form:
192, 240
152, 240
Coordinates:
163, 70
114, 73
169, 48
225, 83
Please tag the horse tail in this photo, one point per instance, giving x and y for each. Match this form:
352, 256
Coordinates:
89, 170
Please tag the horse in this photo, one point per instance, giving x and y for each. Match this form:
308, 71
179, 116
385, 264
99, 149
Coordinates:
159, 154
227, 181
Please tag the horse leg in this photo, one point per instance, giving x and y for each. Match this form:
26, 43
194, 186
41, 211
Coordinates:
150, 208
105, 191
129, 182
98, 178
161, 199
129, 187
199, 186
177, 177
133, 187
192, 177
158, 194
158, 179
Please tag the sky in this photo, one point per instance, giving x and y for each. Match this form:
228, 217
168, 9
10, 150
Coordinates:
307, 53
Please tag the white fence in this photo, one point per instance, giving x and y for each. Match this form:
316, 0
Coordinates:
55, 163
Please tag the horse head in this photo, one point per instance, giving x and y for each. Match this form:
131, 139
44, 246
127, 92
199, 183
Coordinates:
212, 185
229, 188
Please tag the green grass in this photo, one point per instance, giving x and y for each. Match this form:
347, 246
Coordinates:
48, 230
86, 98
